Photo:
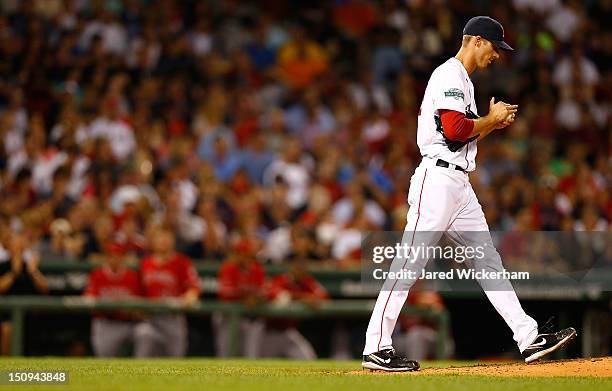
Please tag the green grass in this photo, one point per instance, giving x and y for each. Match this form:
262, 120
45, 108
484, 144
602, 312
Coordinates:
274, 375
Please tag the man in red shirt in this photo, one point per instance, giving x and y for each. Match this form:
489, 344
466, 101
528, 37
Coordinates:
282, 339
166, 275
113, 281
241, 279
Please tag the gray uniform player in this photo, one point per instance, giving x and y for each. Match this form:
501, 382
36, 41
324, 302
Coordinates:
113, 281
166, 276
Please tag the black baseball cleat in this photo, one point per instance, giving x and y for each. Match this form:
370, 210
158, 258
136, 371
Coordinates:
388, 360
548, 343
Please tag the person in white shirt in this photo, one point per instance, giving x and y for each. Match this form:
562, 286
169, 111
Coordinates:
293, 169
354, 202
443, 203
118, 133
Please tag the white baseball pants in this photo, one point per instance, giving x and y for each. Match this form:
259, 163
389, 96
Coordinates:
442, 201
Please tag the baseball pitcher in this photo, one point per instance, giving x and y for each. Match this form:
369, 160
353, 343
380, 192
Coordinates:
442, 200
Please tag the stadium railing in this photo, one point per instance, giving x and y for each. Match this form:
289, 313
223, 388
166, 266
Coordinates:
67, 278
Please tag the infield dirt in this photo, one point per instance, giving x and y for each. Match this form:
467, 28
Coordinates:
586, 367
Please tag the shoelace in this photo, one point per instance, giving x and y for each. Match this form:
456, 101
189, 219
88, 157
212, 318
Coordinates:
548, 326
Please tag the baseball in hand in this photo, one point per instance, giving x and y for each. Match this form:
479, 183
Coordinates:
510, 118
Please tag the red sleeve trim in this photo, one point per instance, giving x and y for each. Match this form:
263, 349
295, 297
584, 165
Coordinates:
455, 125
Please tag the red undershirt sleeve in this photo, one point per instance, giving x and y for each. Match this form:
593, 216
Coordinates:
455, 125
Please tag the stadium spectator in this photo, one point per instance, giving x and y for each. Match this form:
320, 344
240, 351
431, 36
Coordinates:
354, 204
19, 274
301, 59
110, 127
292, 169
100, 99
99, 235
63, 244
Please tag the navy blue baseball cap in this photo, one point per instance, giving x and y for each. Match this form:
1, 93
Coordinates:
488, 28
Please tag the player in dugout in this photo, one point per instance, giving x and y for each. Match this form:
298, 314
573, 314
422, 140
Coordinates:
417, 336
241, 279
110, 331
282, 338
167, 276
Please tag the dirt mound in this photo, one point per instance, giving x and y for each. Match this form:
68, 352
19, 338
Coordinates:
591, 367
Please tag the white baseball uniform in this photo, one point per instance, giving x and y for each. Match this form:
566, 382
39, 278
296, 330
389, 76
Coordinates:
442, 201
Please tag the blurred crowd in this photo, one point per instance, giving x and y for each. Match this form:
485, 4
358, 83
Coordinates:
289, 124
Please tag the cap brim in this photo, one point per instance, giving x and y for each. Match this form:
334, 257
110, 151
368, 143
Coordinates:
503, 46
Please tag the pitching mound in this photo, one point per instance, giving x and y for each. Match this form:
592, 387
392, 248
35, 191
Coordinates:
593, 367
